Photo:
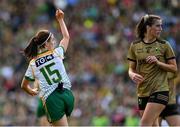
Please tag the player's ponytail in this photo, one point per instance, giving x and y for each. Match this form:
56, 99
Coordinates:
36, 43
141, 28
32, 49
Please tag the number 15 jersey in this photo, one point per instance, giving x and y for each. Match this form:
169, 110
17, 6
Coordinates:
49, 70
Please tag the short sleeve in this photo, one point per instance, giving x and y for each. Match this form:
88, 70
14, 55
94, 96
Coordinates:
29, 75
131, 54
169, 53
172, 75
59, 51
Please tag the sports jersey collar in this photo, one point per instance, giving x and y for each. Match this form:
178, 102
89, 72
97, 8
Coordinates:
150, 42
44, 53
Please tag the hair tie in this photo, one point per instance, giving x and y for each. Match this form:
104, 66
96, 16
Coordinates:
146, 17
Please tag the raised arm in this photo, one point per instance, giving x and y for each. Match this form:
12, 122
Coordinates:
60, 18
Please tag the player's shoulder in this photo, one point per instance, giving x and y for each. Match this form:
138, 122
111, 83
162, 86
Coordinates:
59, 51
137, 41
32, 61
162, 41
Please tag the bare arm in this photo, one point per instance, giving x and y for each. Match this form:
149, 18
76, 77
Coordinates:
36, 85
170, 66
60, 18
26, 87
137, 78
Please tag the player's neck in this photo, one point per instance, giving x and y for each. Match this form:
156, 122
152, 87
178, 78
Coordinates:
42, 50
148, 39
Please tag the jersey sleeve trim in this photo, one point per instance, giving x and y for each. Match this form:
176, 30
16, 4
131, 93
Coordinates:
58, 55
61, 55
32, 70
28, 78
62, 48
171, 58
131, 60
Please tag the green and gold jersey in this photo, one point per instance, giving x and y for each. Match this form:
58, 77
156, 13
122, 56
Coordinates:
172, 87
155, 78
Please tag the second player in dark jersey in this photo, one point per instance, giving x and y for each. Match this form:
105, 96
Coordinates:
150, 58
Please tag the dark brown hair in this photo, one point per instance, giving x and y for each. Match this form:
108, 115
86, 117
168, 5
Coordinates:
147, 20
38, 41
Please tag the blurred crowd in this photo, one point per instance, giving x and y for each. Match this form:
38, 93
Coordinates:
100, 31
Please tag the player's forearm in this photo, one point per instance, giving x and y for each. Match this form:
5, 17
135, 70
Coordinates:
26, 88
167, 67
36, 85
131, 70
63, 28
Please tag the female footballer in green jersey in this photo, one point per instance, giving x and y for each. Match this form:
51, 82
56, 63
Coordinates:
150, 58
46, 66
171, 113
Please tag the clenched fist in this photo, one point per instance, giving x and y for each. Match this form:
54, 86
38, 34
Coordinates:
59, 14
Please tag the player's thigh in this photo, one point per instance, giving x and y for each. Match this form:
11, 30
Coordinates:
43, 121
156, 103
155, 123
62, 122
173, 120
152, 111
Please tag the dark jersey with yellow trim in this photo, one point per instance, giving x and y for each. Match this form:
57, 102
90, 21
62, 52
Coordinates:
155, 78
172, 87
